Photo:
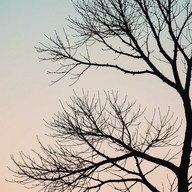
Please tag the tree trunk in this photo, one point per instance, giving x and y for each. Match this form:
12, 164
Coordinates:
182, 182
186, 151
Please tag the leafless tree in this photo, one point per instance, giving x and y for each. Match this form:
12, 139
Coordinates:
99, 144
152, 32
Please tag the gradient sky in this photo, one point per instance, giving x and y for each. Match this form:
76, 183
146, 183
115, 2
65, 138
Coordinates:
26, 97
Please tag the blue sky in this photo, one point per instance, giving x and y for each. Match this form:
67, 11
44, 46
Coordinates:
27, 98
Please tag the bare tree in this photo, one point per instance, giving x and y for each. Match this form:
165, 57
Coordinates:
100, 144
151, 31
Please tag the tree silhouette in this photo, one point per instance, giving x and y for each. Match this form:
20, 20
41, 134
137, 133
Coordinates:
100, 144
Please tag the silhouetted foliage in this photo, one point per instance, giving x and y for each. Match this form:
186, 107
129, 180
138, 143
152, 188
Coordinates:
100, 144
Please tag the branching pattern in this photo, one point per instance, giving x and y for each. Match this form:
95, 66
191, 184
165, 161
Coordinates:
97, 143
